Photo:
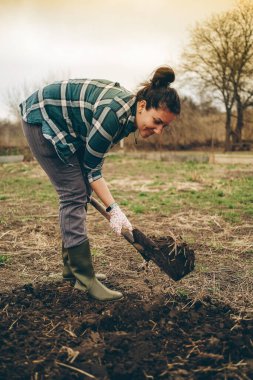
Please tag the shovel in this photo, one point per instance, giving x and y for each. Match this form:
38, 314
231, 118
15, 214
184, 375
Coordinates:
172, 255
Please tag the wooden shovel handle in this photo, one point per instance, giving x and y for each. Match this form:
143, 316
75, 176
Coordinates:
99, 207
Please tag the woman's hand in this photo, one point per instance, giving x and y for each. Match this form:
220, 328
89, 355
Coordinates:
118, 220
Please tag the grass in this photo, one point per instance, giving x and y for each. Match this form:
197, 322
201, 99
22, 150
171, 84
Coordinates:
210, 206
225, 195
27, 188
171, 187
217, 194
10, 151
97, 252
3, 260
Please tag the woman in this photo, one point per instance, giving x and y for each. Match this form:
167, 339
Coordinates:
70, 125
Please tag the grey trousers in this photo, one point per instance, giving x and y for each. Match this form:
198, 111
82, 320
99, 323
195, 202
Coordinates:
70, 183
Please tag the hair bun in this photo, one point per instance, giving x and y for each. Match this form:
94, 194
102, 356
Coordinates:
163, 77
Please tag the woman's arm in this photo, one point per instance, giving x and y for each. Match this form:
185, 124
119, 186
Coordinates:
101, 189
118, 219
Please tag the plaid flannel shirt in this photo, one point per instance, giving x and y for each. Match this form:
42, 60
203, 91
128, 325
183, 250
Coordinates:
94, 114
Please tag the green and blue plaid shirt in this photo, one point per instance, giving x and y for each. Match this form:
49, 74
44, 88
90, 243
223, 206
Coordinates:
74, 113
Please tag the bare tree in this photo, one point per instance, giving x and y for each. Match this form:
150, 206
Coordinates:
219, 59
15, 95
242, 63
207, 59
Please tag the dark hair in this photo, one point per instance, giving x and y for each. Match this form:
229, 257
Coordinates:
157, 91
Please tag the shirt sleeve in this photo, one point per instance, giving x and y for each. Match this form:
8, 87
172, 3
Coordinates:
105, 127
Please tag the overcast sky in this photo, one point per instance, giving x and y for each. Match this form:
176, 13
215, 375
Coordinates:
121, 40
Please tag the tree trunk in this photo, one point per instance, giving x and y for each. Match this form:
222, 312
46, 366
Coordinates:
237, 135
228, 130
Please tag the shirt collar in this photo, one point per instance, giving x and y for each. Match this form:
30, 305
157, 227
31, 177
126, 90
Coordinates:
129, 122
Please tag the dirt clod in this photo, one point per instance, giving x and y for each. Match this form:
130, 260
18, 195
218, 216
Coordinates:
171, 254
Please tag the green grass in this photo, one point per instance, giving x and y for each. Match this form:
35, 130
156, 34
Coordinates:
3, 260
182, 293
249, 252
230, 198
114, 157
97, 252
10, 151
28, 188
202, 268
219, 192
138, 209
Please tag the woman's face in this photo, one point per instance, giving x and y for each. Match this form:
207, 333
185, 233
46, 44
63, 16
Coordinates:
152, 121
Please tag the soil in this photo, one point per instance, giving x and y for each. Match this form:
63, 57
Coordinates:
172, 255
52, 331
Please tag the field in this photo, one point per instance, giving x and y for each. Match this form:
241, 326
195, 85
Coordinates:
198, 328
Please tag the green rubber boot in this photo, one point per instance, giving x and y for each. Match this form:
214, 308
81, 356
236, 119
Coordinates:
80, 263
67, 274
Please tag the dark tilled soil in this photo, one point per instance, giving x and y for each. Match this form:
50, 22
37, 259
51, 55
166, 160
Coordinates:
54, 332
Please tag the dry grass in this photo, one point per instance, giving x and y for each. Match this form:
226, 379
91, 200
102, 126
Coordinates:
224, 256
30, 239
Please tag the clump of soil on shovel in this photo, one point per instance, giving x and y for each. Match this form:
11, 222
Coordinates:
172, 255
54, 332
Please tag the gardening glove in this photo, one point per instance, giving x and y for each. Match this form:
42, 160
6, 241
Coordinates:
118, 219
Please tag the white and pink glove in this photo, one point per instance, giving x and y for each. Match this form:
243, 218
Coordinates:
118, 219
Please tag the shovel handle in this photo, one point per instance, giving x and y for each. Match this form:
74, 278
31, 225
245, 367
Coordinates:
99, 207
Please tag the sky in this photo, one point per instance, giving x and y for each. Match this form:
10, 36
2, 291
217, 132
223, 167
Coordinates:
120, 40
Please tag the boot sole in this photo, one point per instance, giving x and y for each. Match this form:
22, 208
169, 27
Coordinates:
100, 277
81, 287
